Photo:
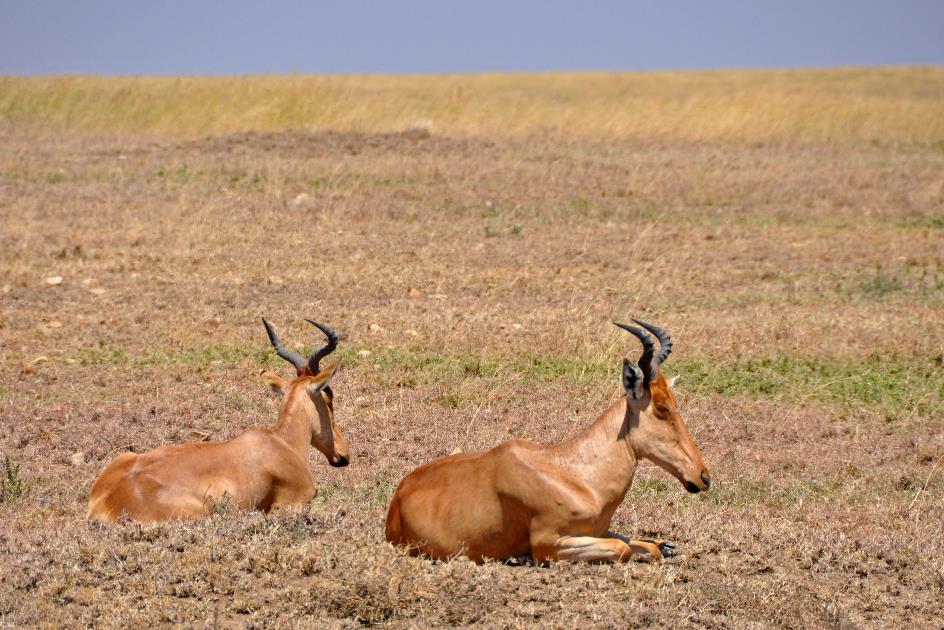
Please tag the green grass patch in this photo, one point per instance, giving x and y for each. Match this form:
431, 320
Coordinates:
895, 388
207, 356
922, 221
61, 176
376, 490
924, 282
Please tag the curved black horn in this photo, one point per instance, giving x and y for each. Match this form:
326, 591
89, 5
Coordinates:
326, 349
648, 349
665, 343
292, 357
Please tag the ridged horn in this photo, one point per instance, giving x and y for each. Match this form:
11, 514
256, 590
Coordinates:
325, 350
648, 350
292, 357
665, 343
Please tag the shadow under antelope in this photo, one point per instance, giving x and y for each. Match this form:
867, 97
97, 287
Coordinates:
258, 469
554, 502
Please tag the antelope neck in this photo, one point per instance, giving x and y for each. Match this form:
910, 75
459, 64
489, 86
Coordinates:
293, 424
602, 453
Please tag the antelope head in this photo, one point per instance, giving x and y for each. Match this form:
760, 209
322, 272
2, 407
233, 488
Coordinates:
656, 430
309, 394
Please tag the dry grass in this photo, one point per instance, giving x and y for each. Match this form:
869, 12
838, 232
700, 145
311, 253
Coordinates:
803, 283
858, 105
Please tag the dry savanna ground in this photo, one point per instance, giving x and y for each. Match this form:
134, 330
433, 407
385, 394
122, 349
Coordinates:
473, 237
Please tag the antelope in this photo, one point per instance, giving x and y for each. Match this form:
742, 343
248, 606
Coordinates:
554, 502
258, 469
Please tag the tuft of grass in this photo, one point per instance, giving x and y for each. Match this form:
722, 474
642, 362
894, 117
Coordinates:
11, 482
219, 506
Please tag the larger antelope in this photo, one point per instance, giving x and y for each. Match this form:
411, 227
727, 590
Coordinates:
258, 469
553, 502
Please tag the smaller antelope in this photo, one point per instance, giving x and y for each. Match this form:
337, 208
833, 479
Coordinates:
553, 502
258, 469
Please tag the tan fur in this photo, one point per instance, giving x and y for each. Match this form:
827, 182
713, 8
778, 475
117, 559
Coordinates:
547, 501
258, 469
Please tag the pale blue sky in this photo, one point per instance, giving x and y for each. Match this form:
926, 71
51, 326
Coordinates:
413, 36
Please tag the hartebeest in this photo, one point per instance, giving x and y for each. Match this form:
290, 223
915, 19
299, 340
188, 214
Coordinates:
553, 502
257, 469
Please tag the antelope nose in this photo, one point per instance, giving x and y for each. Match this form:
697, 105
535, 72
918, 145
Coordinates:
340, 462
705, 479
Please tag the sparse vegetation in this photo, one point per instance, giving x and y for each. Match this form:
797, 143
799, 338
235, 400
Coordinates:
11, 483
221, 506
784, 226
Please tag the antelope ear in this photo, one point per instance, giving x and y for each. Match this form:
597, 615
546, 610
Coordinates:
632, 380
274, 382
673, 380
323, 378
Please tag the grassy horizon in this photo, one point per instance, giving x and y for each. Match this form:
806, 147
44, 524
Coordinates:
847, 105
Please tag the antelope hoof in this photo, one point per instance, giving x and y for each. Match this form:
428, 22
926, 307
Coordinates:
667, 549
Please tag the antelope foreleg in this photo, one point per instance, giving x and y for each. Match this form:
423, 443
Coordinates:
646, 549
590, 549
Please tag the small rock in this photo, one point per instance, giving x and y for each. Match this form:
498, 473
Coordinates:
44, 500
456, 451
517, 326
414, 293
43, 330
54, 324
411, 333
78, 458
54, 280
363, 353
440, 296
200, 436
375, 328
